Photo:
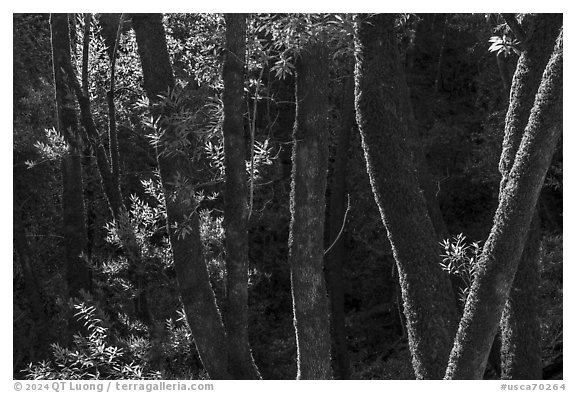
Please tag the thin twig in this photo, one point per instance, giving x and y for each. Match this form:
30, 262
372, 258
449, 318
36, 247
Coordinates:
341, 228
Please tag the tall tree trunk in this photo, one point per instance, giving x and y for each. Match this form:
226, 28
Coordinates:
240, 361
307, 207
336, 257
429, 303
74, 221
196, 292
503, 249
521, 351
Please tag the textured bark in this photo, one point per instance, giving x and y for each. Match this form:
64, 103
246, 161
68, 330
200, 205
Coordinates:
240, 361
307, 207
521, 351
196, 292
503, 249
429, 303
525, 84
338, 255
74, 220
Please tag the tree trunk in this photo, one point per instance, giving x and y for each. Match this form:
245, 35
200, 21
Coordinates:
196, 292
503, 249
338, 254
429, 303
521, 351
240, 361
307, 207
74, 224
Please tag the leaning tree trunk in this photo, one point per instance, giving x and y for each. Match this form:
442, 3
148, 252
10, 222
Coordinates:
307, 206
196, 292
503, 249
429, 303
520, 326
74, 220
240, 361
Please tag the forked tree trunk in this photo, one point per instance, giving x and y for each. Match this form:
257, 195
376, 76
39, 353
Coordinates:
503, 249
240, 362
381, 111
196, 292
307, 207
73, 215
520, 325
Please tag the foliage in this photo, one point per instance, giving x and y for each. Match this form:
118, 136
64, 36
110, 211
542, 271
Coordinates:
460, 259
504, 44
93, 355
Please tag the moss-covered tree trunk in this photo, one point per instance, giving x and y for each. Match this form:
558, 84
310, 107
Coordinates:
503, 249
429, 303
241, 363
196, 292
338, 254
307, 206
74, 220
521, 353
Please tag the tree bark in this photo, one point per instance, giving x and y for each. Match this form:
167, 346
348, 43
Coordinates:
336, 257
241, 363
74, 220
503, 249
521, 352
196, 292
429, 303
520, 326
307, 207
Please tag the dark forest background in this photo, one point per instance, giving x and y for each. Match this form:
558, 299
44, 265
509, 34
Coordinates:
83, 309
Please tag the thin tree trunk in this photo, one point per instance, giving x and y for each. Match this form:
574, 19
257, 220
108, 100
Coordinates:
503, 249
240, 361
336, 257
74, 224
307, 206
196, 292
521, 351
429, 303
